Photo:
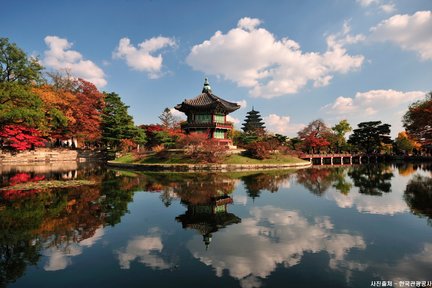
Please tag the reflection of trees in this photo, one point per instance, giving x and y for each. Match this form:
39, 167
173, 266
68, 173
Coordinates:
319, 180
57, 217
340, 180
18, 220
316, 180
270, 181
371, 179
418, 196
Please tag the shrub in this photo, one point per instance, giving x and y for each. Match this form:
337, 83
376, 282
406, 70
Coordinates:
259, 150
203, 150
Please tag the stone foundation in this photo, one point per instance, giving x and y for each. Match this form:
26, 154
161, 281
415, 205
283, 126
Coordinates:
49, 155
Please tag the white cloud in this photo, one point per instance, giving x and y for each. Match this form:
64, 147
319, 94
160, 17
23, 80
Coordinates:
177, 114
253, 58
366, 3
372, 101
146, 249
142, 58
242, 103
410, 32
249, 23
295, 234
59, 56
281, 124
233, 119
412, 266
388, 7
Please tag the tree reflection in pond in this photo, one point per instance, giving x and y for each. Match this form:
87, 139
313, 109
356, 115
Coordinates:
270, 181
418, 195
372, 179
55, 222
316, 180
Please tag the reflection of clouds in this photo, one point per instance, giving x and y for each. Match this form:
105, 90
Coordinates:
59, 257
386, 204
412, 267
274, 236
240, 199
286, 183
146, 249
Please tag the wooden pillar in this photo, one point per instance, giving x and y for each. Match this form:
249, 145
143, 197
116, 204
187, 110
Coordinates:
322, 161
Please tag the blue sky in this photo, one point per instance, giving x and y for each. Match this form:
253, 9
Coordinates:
294, 61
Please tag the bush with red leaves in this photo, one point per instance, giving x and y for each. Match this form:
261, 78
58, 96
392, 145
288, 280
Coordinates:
19, 137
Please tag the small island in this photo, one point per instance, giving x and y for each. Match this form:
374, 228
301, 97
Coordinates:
204, 141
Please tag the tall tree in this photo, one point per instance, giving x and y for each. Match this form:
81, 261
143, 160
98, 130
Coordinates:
15, 66
418, 120
315, 136
253, 123
403, 143
370, 136
340, 129
57, 107
168, 120
117, 124
86, 112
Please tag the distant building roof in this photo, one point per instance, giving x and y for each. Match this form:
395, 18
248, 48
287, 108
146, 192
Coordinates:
207, 101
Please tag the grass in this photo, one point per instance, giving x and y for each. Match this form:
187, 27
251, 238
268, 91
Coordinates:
274, 159
177, 157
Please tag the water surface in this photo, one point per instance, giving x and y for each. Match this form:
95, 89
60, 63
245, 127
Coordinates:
317, 227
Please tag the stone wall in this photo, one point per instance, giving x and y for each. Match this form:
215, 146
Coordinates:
49, 155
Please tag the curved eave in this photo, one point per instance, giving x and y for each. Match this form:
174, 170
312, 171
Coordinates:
184, 107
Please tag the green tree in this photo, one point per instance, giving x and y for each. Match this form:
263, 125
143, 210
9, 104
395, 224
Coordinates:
18, 105
15, 66
370, 136
340, 130
403, 144
117, 124
418, 120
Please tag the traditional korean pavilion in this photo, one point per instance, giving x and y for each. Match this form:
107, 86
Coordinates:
206, 113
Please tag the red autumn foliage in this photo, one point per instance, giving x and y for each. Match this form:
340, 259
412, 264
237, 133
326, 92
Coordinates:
19, 137
87, 112
201, 149
13, 194
259, 150
23, 178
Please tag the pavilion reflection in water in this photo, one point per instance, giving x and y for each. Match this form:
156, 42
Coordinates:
208, 217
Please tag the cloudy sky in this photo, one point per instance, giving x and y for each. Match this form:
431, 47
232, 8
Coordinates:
294, 61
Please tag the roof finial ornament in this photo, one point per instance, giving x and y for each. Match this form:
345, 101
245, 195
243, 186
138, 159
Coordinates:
206, 87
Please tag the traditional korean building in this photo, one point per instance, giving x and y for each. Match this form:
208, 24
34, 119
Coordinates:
206, 113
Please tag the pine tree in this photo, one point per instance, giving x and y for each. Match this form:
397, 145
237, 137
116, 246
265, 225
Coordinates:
117, 124
253, 123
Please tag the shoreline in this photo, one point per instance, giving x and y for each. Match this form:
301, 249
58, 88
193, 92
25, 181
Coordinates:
206, 167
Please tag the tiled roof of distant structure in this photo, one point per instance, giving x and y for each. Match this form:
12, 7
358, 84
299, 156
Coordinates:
207, 100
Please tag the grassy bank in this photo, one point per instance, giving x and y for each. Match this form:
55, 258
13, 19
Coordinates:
178, 157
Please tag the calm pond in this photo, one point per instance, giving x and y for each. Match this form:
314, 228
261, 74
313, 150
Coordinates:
351, 226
